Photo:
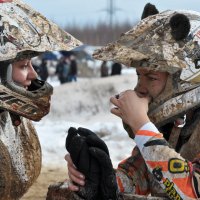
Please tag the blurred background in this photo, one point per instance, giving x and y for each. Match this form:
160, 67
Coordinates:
97, 22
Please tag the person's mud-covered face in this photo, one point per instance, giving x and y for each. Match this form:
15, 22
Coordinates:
150, 83
23, 73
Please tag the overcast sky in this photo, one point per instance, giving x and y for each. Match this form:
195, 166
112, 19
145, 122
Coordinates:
83, 12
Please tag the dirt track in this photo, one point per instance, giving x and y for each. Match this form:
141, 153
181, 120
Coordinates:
48, 176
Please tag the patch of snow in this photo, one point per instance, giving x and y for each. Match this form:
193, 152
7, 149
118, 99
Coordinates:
85, 104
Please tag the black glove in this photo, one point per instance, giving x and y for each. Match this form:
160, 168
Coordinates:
108, 184
99, 150
93, 140
83, 142
78, 148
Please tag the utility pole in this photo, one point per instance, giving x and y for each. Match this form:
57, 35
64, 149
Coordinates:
111, 12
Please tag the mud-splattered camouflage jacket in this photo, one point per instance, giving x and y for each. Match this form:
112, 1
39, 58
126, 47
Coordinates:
20, 155
155, 165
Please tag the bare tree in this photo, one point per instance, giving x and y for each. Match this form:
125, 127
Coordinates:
100, 34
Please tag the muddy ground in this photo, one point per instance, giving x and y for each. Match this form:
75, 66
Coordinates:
47, 176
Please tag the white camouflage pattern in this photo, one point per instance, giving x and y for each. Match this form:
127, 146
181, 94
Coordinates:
24, 30
150, 44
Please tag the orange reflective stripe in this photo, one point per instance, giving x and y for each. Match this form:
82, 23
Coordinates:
120, 185
162, 164
185, 185
149, 133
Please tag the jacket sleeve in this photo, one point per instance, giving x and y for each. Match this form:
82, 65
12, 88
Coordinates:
177, 176
132, 174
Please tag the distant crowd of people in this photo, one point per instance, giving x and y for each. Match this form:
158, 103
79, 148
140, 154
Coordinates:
115, 69
42, 70
66, 69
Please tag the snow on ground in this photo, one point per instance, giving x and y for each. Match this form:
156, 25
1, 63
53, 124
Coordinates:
85, 103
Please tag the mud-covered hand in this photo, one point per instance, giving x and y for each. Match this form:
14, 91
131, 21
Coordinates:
78, 148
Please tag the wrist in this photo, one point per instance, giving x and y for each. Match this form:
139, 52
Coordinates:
137, 125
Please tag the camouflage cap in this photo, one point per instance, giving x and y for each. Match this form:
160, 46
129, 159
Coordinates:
24, 31
151, 43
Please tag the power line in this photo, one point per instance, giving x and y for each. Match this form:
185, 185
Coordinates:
111, 10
